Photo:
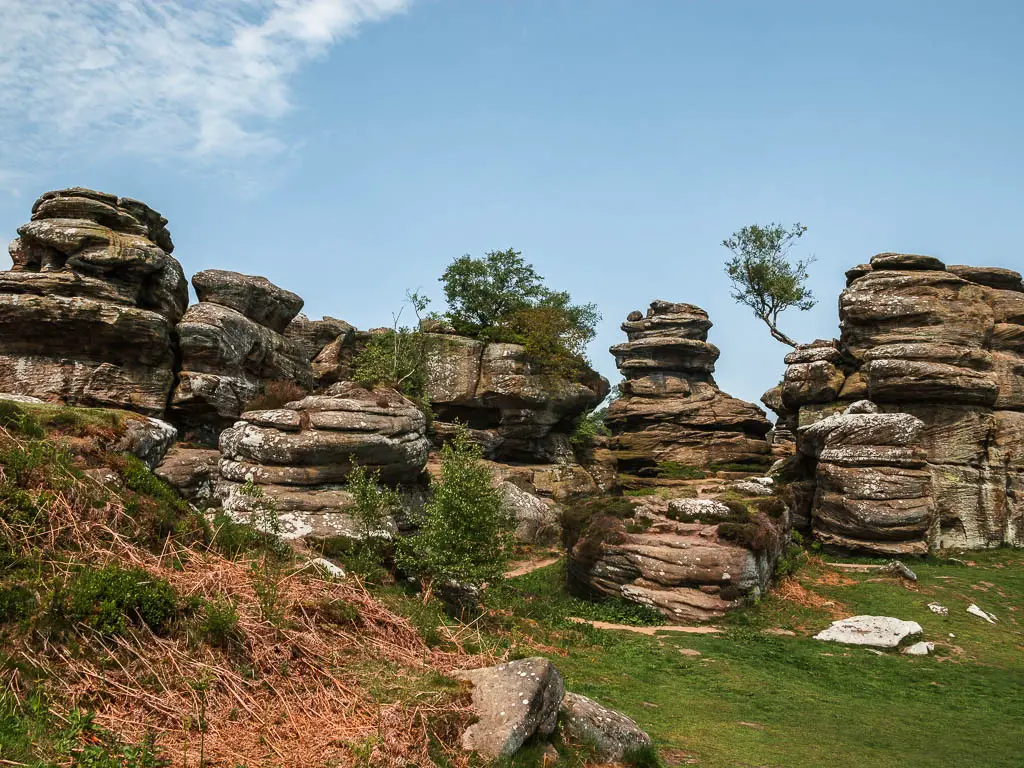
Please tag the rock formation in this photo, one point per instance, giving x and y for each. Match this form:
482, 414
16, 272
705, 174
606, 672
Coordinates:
231, 345
944, 345
691, 559
88, 309
300, 455
518, 413
670, 411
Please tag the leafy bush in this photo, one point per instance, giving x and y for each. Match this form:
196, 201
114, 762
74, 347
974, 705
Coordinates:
374, 512
500, 297
16, 603
465, 528
397, 357
275, 394
110, 598
219, 623
587, 427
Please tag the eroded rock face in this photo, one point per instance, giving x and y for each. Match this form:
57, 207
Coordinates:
300, 455
670, 410
88, 309
518, 412
230, 351
678, 558
945, 347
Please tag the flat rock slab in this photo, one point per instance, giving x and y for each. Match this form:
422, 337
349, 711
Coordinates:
512, 702
871, 631
612, 735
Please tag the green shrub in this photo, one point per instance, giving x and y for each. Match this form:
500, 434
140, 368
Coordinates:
16, 603
19, 421
374, 512
110, 598
575, 517
397, 357
673, 470
791, 561
219, 623
772, 506
233, 539
157, 508
465, 529
587, 427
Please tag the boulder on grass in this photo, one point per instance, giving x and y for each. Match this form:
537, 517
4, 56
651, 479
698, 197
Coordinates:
613, 736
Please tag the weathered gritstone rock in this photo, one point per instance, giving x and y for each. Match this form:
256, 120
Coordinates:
537, 520
689, 571
88, 308
300, 455
228, 356
193, 472
612, 735
512, 702
944, 345
671, 411
314, 335
518, 412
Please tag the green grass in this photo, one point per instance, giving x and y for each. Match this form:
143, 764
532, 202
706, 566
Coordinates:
756, 699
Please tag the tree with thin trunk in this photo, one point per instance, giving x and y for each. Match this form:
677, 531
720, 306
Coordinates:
764, 278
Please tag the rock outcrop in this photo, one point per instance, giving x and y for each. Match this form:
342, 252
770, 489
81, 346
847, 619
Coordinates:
690, 559
945, 346
300, 455
232, 345
670, 411
88, 309
517, 412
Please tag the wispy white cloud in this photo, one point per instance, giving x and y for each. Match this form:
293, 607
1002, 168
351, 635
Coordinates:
204, 77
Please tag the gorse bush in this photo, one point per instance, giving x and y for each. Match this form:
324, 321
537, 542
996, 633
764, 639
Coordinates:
499, 297
465, 528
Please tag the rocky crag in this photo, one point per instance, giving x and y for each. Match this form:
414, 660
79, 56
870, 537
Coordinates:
88, 310
936, 458
670, 414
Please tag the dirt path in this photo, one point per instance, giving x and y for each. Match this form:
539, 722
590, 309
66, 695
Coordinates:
649, 631
529, 566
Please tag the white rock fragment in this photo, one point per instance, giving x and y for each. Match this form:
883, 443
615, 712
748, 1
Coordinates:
976, 611
941, 610
325, 565
922, 648
871, 631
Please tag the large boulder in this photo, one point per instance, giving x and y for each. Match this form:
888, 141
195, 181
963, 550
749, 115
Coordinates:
942, 349
230, 353
670, 410
521, 411
512, 703
88, 309
613, 736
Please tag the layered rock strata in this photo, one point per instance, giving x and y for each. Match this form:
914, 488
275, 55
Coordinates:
692, 560
88, 309
516, 411
300, 455
946, 346
231, 345
670, 411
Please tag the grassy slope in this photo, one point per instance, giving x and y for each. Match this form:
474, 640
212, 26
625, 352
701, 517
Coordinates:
755, 699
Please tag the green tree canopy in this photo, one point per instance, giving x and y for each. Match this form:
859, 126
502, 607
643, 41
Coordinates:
764, 278
500, 297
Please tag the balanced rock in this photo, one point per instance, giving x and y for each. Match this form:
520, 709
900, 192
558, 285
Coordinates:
230, 351
945, 347
88, 309
670, 410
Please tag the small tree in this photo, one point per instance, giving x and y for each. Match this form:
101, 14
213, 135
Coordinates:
465, 529
500, 297
764, 278
374, 512
397, 357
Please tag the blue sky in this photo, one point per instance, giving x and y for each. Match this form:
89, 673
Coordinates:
349, 149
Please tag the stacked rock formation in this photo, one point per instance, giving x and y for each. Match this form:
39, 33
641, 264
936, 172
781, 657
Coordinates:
301, 454
670, 410
946, 346
690, 559
88, 309
232, 343
518, 413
